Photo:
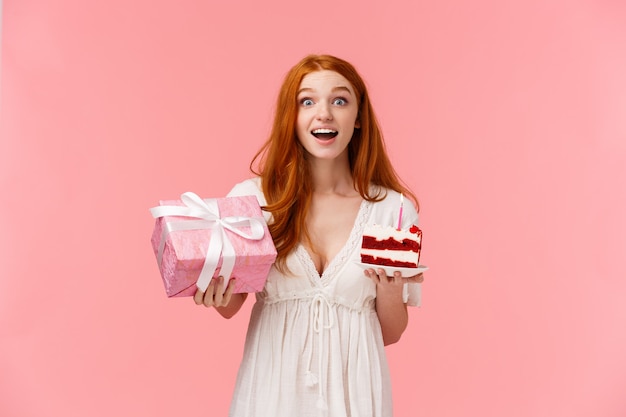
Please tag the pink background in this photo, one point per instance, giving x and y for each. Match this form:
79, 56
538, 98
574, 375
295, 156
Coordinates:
506, 117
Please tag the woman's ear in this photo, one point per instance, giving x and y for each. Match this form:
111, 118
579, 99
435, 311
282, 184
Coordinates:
357, 123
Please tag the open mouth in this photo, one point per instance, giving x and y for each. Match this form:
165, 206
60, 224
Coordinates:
324, 134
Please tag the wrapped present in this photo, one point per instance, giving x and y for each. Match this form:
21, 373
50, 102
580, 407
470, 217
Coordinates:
195, 240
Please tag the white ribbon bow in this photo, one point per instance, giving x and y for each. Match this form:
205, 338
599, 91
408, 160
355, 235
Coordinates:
208, 213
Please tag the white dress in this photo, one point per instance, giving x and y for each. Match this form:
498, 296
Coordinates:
314, 345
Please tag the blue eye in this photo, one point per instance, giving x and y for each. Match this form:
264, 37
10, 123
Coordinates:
306, 102
340, 101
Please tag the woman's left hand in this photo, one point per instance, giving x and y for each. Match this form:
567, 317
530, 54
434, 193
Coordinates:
419, 278
390, 305
379, 276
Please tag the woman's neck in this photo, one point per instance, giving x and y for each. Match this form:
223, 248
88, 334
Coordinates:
331, 177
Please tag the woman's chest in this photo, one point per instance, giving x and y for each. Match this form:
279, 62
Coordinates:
330, 223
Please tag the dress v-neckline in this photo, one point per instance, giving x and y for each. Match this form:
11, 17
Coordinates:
339, 260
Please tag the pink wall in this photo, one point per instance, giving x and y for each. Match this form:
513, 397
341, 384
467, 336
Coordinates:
507, 118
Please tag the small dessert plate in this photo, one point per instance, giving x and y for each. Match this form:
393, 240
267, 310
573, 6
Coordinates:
406, 272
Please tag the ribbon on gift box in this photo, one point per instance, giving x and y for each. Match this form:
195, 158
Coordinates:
208, 214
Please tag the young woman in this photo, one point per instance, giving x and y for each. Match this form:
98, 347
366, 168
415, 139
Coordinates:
315, 343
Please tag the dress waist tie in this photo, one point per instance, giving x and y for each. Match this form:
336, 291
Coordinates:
322, 318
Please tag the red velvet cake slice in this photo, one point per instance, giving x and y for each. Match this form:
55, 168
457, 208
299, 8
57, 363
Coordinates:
385, 245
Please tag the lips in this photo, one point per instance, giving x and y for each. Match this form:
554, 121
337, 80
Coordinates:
324, 134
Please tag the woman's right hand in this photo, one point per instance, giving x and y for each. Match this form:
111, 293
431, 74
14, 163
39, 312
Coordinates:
215, 296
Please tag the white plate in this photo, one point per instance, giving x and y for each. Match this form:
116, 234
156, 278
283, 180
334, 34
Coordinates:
406, 272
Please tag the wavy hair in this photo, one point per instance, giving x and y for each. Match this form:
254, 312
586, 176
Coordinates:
284, 170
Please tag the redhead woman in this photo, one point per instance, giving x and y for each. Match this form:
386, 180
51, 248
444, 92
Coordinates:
315, 342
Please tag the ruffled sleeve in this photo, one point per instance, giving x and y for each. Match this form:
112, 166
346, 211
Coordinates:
413, 294
251, 186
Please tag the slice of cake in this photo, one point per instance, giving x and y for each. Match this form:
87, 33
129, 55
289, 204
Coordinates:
385, 245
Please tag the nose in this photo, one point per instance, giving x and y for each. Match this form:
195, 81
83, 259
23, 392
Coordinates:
323, 112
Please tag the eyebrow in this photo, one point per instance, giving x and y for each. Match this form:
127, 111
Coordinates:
335, 89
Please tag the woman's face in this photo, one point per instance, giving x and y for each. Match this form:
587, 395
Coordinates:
327, 114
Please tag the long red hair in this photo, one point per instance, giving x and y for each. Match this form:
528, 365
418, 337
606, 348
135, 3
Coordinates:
284, 171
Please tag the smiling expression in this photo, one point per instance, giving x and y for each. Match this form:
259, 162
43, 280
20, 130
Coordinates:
327, 114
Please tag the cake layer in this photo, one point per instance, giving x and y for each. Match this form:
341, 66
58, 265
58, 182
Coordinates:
386, 262
371, 242
385, 232
391, 255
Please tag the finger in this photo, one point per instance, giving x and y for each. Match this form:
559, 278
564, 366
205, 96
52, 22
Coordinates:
198, 296
371, 274
219, 292
208, 295
382, 276
416, 278
376, 275
229, 292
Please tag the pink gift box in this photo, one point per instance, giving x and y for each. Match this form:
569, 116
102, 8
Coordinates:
184, 251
